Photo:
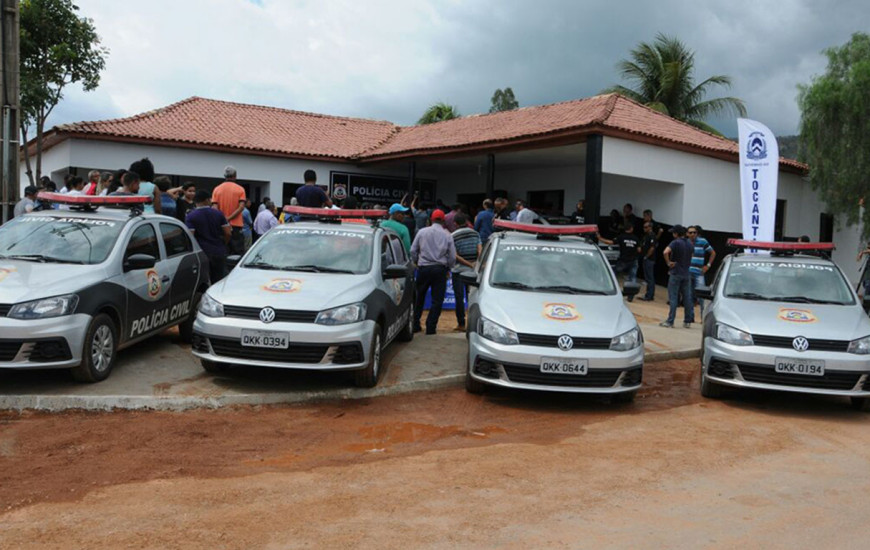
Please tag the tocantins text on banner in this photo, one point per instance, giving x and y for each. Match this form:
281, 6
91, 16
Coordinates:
759, 170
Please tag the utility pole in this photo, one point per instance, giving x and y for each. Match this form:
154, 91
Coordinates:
9, 87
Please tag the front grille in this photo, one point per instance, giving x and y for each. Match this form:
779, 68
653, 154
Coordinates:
524, 374
548, 341
832, 380
281, 315
786, 342
347, 354
46, 351
9, 349
296, 353
4, 309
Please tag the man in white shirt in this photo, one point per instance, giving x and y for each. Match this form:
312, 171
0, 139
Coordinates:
265, 220
525, 215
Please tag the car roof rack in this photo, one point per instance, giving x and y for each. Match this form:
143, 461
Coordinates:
548, 232
332, 215
784, 248
89, 203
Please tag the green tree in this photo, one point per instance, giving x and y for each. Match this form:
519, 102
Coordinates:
835, 129
503, 100
438, 112
662, 77
57, 48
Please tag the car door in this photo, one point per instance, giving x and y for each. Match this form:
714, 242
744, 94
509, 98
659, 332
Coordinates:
393, 288
182, 265
147, 289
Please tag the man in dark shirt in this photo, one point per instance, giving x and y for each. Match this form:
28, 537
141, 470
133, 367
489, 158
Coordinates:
648, 245
630, 218
629, 249
184, 203
578, 217
656, 226
678, 256
212, 232
310, 195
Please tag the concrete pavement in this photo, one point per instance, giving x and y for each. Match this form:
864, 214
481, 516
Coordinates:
162, 374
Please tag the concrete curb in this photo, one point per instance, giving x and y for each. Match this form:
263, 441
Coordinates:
58, 403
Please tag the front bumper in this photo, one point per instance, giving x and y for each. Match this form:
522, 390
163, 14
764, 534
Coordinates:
54, 343
311, 346
518, 366
846, 374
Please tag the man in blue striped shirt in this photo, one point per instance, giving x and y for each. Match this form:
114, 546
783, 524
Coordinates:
701, 263
467, 243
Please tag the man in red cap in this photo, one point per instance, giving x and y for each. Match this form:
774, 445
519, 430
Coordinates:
434, 253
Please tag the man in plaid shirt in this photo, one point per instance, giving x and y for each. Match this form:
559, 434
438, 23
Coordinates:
468, 245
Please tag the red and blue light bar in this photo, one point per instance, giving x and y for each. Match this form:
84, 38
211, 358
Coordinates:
90, 200
333, 213
780, 246
538, 229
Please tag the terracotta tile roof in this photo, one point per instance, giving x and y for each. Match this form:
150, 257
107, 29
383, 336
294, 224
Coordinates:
207, 122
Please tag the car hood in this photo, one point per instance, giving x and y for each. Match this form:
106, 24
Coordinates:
547, 313
789, 319
290, 289
22, 281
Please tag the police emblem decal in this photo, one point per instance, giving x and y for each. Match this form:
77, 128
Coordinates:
339, 191
154, 284
282, 285
796, 315
561, 312
5, 271
756, 147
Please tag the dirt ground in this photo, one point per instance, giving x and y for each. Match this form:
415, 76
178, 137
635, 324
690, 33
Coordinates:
446, 469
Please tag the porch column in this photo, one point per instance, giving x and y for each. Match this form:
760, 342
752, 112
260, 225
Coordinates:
592, 204
490, 176
412, 177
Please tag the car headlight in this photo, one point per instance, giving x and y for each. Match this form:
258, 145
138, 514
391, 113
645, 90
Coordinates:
731, 335
627, 341
861, 346
352, 313
210, 307
497, 333
45, 308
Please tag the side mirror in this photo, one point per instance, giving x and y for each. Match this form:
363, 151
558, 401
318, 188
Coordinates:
469, 278
233, 261
395, 271
139, 261
866, 304
704, 292
630, 289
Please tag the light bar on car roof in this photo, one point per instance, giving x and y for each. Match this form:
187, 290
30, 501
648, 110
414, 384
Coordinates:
780, 246
90, 200
547, 229
333, 213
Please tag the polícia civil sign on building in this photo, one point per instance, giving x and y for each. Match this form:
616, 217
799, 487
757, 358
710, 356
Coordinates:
759, 169
375, 188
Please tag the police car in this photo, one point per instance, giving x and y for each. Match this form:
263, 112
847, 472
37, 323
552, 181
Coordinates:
546, 313
323, 294
785, 321
80, 283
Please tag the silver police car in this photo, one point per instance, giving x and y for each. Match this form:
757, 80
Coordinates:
80, 283
785, 321
546, 313
320, 295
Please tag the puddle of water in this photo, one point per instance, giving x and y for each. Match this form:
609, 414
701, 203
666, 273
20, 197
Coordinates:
383, 436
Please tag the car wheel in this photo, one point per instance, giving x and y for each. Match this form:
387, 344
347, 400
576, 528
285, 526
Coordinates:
185, 328
472, 385
861, 404
368, 376
98, 353
407, 333
213, 366
623, 397
710, 389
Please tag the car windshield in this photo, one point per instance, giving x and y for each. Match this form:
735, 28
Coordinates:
792, 281
551, 268
314, 250
72, 240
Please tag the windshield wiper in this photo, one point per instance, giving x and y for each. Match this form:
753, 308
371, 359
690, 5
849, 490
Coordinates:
262, 265
513, 284
570, 289
804, 300
748, 296
42, 259
316, 269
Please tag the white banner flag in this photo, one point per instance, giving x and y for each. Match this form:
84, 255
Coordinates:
759, 171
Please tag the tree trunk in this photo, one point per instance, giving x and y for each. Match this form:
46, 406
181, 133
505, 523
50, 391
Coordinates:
26, 154
40, 123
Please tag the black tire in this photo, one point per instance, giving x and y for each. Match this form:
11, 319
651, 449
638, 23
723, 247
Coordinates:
213, 367
623, 397
472, 385
710, 390
368, 377
99, 350
861, 404
185, 328
407, 333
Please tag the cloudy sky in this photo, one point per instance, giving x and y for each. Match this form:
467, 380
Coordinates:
390, 59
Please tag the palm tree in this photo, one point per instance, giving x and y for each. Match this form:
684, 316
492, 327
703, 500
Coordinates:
438, 112
662, 77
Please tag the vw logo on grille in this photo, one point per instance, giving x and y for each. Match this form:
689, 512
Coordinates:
565, 342
267, 315
800, 344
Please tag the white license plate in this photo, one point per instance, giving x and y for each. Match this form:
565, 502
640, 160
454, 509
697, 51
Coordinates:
265, 339
785, 365
558, 365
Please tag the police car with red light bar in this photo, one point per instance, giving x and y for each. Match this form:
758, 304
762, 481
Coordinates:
785, 319
81, 283
546, 313
326, 293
